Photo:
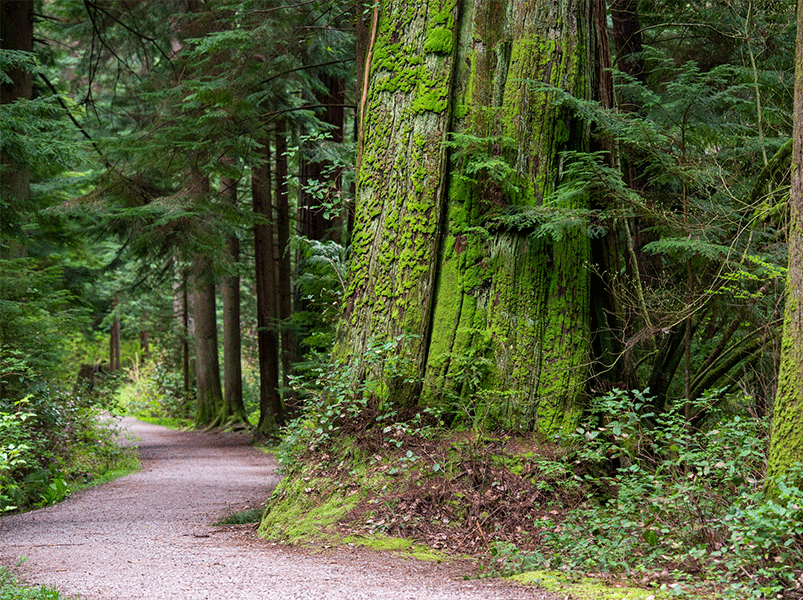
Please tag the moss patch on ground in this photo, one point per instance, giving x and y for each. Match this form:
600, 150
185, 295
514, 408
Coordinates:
399, 546
303, 511
587, 588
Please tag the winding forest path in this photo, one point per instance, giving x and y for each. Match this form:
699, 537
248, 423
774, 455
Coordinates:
150, 535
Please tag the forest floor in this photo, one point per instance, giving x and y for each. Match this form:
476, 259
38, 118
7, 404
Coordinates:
152, 535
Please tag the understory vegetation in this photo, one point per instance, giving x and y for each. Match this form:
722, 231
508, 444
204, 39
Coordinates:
12, 589
52, 443
632, 494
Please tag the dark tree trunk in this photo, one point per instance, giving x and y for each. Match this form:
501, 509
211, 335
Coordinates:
144, 345
207, 366
283, 258
186, 367
16, 33
233, 407
209, 395
114, 339
271, 411
627, 37
322, 219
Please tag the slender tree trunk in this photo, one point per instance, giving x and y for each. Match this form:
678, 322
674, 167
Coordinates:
16, 33
233, 408
316, 221
271, 411
181, 312
144, 345
786, 437
207, 367
114, 339
627, 37
186, 366
209, 395
283, 258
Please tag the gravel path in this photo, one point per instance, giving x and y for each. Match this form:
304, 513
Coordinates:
150, 535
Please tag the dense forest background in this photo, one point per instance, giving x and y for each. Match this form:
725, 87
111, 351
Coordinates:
325, 221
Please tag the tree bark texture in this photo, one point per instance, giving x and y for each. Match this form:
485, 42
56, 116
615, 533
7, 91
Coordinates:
786, 437
207, 366
115, 346
499, 319
283, 258
511, 335
400, 184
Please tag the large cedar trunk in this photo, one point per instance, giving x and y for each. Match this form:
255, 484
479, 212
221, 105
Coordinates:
511, 336
495, 321
786, 438
400, 187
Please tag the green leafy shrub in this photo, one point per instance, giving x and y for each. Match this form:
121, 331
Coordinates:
50, 442
16, 454
665, 497
154, 390
349, 397
12, 589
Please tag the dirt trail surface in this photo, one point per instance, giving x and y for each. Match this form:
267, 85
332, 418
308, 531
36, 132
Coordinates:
150, 535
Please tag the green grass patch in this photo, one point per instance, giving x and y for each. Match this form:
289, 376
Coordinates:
302, 511
125, 466
174, 423
241, 518
12, 589
587, 588
400, 546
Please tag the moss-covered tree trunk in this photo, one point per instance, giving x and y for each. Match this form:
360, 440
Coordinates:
405, 115
786, 439
511, 337
497, 319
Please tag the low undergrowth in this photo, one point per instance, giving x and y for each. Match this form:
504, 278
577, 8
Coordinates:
53, 442
647, 497
12, 589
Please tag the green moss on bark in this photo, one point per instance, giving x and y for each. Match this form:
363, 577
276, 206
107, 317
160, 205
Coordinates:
517, 306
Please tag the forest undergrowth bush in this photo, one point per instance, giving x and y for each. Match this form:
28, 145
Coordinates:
673, 505
375, 468
13, 589
154, 391
637, 491
51, 442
